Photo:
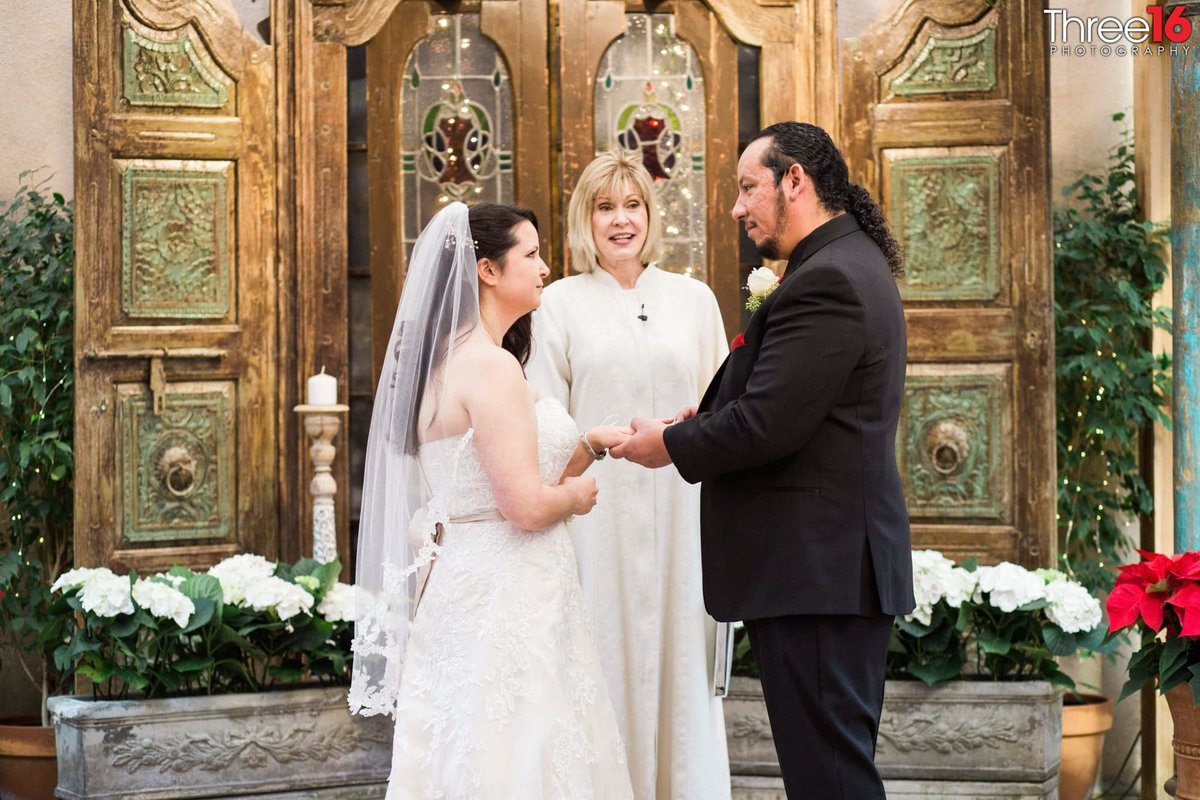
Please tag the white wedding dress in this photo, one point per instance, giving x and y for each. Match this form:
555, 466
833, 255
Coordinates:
502, 695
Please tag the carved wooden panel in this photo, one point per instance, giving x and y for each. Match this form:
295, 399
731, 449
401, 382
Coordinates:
944, 114
948, 213
950, 445
950, 65
176, 222
178, 468
170, 68
176, 329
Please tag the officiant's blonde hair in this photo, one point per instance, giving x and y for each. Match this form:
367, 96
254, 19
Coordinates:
610, 173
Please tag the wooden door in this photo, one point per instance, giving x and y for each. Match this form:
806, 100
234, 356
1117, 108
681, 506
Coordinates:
944, 118
176, 410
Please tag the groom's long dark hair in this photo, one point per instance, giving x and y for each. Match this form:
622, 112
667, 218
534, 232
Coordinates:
811, 148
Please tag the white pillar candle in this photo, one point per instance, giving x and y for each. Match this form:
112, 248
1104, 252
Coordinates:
322, 390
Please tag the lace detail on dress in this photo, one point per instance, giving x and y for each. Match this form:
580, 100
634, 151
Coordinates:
501, 694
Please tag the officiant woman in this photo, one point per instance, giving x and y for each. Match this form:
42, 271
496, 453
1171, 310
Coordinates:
624, 338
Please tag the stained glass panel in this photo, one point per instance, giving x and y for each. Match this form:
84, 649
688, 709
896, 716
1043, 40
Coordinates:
650, 100
457, 110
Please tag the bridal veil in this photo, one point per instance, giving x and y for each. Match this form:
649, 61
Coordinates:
439, 306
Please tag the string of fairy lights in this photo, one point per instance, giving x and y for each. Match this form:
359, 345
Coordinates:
1090, 441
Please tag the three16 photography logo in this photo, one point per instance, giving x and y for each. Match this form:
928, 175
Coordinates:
1160, 32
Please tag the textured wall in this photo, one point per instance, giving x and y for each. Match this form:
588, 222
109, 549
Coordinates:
35, 103
1085, 91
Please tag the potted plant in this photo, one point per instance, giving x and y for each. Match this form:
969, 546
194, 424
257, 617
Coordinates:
183, 666
1159, 597
993, 626
972, 705
36, 465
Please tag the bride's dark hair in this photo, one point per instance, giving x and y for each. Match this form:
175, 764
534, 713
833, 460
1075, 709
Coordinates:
493, 227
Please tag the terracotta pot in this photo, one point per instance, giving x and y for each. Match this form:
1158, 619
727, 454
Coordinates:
1186, 742
1083, 728
28, 761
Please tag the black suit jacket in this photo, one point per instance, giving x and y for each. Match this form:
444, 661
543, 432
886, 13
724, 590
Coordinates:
802, 509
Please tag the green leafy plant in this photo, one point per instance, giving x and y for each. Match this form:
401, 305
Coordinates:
1110, 385
1001, 622
36, 420
246, 625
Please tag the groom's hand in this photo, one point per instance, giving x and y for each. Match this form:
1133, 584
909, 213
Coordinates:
646, 446
685, 414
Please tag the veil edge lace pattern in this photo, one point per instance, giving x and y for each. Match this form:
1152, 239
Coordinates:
438, 306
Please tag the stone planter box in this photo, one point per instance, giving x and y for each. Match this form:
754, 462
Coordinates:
290, 743
958, 741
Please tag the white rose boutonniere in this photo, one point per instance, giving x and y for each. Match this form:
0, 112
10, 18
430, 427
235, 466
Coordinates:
760, 283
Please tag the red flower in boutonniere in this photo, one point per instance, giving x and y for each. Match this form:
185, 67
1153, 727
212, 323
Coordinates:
737, 342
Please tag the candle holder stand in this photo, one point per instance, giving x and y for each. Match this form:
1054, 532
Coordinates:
322, 424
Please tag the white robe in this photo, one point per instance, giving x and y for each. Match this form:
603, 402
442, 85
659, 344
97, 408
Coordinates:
639, 548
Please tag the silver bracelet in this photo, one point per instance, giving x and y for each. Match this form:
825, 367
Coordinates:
587, 446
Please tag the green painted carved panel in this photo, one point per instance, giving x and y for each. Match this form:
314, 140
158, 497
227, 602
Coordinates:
952, 446
173, 70
950, 66
947, 214
178, 480
175, 256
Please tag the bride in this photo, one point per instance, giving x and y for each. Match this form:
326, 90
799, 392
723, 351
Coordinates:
471, 629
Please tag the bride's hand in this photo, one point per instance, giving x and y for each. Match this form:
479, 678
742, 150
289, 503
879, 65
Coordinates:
583, 493
603, 437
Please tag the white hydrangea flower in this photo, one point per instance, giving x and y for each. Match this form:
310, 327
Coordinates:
75, 578
338, 603
238, 573
286, 599
174, 580
164, 601
935, 578
106, 595
1009, 586
1072, 607
931, 574
960, 586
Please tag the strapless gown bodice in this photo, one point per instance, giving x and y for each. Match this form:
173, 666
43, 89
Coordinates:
455, 474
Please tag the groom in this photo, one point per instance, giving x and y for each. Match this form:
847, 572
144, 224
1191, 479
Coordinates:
804, 530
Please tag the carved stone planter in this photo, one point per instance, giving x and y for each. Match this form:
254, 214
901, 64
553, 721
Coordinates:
271, 744
958, 741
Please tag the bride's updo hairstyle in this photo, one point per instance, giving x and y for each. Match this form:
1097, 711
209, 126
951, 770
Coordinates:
493, 229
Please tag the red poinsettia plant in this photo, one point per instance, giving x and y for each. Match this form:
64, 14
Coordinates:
1160, 596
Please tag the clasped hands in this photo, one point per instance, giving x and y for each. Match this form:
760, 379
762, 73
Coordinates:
642, 442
